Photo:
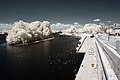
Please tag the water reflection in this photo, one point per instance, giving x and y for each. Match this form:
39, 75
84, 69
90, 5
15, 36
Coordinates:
49, 60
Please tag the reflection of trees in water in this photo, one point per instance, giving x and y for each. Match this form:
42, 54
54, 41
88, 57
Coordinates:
34, 52
45, 58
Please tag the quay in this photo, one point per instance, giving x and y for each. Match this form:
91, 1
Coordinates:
101, 61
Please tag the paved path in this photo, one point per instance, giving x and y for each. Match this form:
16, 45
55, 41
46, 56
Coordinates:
88, 68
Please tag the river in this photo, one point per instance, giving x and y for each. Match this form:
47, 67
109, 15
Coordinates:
50, 60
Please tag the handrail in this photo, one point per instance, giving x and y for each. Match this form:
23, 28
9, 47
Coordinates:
109, 72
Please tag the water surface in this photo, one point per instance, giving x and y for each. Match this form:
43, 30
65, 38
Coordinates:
50, 60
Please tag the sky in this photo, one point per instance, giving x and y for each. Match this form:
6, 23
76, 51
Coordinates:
62, 11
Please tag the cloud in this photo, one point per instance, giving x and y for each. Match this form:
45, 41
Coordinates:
59, 26
96, 20
62, 26
75, 23
5, 26
109, 21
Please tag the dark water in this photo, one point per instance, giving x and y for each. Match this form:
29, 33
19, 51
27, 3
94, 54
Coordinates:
49, 60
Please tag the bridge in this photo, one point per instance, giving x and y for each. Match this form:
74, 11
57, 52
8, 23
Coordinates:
101, 60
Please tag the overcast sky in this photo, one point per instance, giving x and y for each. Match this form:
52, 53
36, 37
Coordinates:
64, 11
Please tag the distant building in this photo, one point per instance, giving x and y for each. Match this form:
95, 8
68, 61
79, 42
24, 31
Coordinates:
116, 29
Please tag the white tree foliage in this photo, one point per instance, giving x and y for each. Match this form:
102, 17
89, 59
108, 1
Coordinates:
23, 32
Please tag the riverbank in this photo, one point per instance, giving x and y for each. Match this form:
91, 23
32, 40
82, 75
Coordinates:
101, 59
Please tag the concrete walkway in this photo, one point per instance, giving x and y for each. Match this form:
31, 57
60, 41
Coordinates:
88, 68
